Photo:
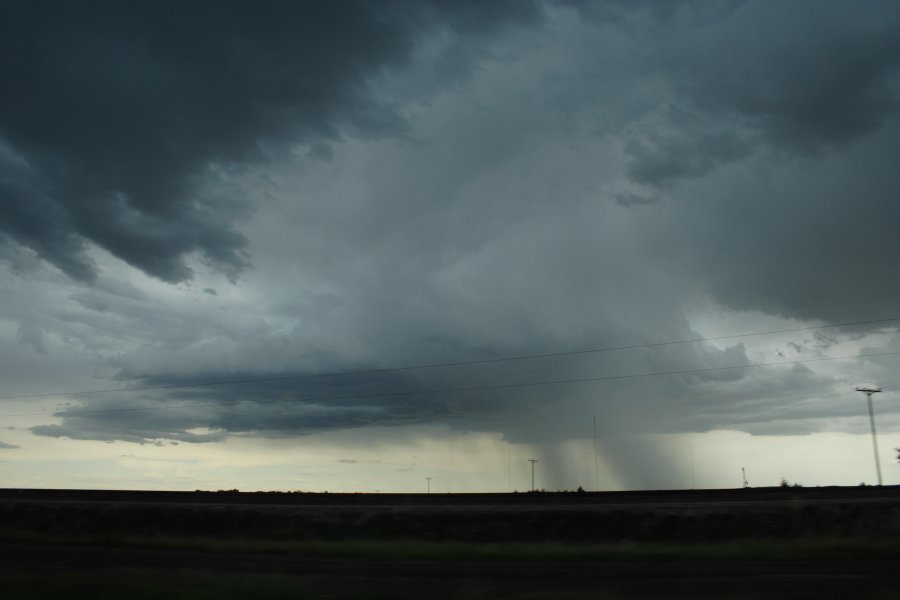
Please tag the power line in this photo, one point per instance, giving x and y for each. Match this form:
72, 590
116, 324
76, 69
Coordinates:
621, 448
664, 439
447, 364
756, 418
462, 389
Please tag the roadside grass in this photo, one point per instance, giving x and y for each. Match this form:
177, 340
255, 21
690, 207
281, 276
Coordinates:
199, 584
784, 531
515, 524
761, 549
794, 531
813, 548
153, 584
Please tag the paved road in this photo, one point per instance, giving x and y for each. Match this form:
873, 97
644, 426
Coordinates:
358, 578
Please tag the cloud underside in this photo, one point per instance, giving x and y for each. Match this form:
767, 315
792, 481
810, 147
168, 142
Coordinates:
468, 400
117, 111
451, 182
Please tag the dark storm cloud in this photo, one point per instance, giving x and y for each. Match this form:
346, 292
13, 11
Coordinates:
802, 247
810, 91
32, 335
5, 446
622, 12
659, 161
481, 398
806, 78
632, 199
806, 93
741, 176
115, 110
274, 409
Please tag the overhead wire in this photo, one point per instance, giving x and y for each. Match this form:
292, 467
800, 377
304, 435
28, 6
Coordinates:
446, 364
520, 385
609, 450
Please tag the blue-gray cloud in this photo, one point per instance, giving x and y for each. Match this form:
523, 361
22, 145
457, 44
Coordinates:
112, 112
480, 225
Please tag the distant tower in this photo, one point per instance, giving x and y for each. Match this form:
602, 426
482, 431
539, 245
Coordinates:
868, 390
532, 461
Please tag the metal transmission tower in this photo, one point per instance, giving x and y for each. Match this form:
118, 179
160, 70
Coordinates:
532, 461
868, 390
596, 459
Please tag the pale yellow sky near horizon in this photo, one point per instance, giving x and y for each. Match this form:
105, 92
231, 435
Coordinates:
455, 461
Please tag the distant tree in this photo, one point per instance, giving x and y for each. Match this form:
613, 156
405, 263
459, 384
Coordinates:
786, 483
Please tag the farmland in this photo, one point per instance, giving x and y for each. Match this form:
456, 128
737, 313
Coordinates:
701, 542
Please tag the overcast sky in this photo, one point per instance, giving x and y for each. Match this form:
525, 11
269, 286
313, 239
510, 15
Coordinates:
219, 192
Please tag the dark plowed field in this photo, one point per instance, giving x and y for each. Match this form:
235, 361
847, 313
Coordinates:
747, 543
682, 516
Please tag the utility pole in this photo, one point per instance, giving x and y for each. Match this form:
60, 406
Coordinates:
428, 479
868, 390
532, 461
508, 468
596, 459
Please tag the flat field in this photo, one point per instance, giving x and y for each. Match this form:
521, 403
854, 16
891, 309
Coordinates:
747, 543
